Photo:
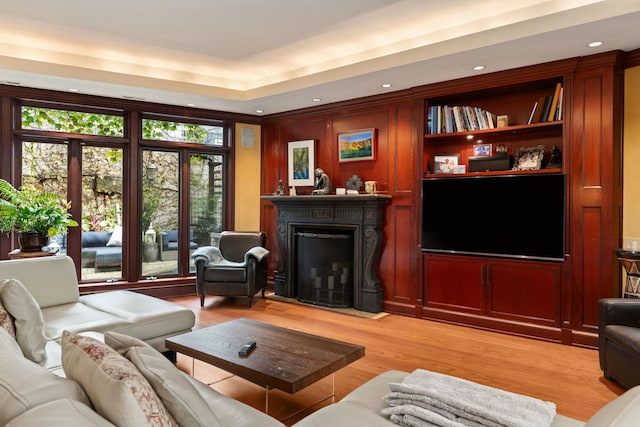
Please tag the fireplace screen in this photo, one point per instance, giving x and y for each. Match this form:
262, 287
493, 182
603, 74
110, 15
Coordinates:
324, 268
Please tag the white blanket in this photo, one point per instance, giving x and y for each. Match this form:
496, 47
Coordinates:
427, 398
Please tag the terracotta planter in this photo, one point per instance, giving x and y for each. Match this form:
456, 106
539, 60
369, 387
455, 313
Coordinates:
31, 241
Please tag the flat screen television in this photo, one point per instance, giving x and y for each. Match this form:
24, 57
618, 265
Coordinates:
515, 216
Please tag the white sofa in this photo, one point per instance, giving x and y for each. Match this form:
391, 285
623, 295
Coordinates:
39, 393
53, 283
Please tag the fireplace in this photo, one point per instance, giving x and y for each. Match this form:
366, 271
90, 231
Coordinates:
360, 217
324, 267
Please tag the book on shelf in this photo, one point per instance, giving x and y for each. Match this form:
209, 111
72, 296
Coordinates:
537, 115
546, 108
554, 104
449, 119
559, 109
533, 112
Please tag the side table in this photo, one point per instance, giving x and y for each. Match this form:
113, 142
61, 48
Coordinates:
630, 260
18, 254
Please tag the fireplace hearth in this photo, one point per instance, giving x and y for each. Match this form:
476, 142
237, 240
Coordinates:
324, 267
360, 218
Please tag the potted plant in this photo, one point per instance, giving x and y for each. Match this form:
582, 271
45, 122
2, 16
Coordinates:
34, 214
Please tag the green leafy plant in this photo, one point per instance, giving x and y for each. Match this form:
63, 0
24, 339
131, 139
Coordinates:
32, 210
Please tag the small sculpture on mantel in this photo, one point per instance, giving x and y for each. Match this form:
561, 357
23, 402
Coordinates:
322, 183
280, 189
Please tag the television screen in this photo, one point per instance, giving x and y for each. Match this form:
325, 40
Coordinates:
518, 216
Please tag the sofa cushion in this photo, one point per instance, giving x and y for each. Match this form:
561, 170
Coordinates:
51, 280
29, 323
92, 239
623, 411
25, 385
180, 397
147, 317
6, 321
78, 317
231, 412
9, 343
116, 388
60, 413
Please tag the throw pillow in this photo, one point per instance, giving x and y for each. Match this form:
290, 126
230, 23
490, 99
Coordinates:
116, 236
6, 321
117, 390
177, 393
29, 322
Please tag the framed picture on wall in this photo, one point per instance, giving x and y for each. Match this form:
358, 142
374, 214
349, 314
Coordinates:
301, 162
357, 145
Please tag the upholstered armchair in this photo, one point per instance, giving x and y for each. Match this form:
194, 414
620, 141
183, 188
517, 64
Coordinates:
619, 340
236, 267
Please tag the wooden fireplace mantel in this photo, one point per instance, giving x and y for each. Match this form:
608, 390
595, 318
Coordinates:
362, 213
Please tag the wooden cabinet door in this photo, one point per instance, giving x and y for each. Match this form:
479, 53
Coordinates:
454, 283
524, 291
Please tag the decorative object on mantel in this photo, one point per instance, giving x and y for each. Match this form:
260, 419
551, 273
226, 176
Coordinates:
280, 190
529, 158
357, 145
301, 162
371, 187
354, 183
322, 184
555, 158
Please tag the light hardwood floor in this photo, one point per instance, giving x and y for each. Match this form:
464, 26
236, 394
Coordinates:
568, 376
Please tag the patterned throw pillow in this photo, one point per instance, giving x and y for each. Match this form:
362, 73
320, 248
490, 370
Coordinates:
180, 397
6, 321
116, 388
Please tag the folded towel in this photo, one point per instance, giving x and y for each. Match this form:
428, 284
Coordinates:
466, 402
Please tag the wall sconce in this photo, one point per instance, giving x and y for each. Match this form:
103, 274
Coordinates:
152, 172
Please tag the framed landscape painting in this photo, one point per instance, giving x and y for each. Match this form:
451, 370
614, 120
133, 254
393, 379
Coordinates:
357, 145
301, 162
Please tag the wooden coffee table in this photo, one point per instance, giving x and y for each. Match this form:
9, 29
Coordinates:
283, 359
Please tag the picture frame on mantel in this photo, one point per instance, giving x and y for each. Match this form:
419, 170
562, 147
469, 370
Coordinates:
301, 158
357, 146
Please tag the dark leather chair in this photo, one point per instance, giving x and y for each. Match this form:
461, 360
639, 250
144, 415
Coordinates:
619, 340
236, 267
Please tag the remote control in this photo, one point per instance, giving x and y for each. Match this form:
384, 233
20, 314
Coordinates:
246, 349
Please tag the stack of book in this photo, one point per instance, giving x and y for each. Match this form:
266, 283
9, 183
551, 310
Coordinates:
447, 119
548, 108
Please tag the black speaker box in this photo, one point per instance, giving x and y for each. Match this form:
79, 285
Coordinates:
499, 162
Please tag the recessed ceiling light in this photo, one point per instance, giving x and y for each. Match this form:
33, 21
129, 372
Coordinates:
73, 90
259, 111
191, 105
317, 99
386, 85
478, 68
595, 44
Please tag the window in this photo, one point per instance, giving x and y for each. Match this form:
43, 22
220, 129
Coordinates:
140, 220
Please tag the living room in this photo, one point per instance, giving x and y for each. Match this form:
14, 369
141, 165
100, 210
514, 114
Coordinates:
260, 154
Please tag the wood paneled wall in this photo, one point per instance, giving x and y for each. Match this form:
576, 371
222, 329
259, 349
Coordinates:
395, 169
592, 133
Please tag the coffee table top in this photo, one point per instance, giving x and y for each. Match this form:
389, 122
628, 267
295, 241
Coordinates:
283, 358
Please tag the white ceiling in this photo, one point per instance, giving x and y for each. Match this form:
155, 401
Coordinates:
277, 55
